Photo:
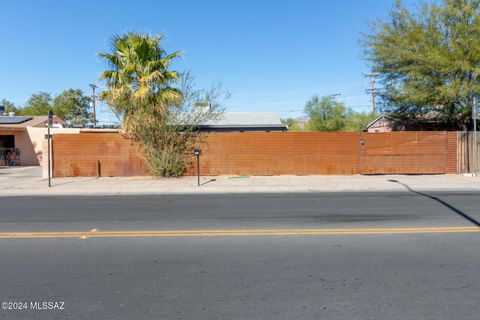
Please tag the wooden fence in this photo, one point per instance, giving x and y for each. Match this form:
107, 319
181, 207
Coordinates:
465, 154
269, 153
95, 154
408, 153
277, 153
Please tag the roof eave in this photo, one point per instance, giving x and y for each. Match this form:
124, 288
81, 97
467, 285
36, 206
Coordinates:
13, 128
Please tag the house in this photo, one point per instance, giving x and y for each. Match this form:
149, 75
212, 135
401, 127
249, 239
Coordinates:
383, 123
244, 122
21, 138
387, 123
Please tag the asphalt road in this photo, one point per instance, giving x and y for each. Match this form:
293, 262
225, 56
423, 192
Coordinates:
366, 256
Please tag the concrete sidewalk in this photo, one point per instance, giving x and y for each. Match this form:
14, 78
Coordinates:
31, 184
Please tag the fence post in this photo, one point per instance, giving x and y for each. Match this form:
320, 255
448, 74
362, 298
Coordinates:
475, 142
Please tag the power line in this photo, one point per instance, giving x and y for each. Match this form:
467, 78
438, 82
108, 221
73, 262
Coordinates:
355, 90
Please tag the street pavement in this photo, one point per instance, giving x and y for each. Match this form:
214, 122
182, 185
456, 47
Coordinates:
400, 255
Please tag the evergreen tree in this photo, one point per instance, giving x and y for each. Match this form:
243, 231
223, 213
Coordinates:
429, 60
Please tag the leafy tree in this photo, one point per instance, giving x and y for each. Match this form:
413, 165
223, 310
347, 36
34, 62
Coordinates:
9, 106
157, 105
358, 121
210, 99
428, 60
325, 114
73, 106
292, 124
38, 104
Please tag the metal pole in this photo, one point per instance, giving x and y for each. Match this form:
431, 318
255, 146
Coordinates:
49, 140
198, 170
94, 98
475, 142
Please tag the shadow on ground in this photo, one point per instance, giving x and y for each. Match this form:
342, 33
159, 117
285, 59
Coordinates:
449, 206
209, 181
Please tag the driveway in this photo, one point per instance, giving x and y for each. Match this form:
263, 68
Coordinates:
21, 172
14, 177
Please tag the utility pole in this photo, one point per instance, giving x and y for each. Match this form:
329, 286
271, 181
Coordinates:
373, 76
94, 98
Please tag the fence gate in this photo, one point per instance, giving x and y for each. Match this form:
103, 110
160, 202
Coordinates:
404, 153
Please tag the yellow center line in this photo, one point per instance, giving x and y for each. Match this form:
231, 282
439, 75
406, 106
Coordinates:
233, 232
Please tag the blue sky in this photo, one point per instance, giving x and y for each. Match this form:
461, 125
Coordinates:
272, 55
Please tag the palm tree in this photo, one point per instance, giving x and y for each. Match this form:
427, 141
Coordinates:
140, 84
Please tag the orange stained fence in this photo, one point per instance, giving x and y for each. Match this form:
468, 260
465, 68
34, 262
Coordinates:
268, 153
96, 154
280, 153
422, 152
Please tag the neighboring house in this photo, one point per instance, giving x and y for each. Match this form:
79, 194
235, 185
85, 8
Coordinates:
18, 144
244, 122
382, 123
386, 123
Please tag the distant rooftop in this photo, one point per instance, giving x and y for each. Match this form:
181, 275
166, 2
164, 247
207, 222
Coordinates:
245, 121
14, 119
22, 122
